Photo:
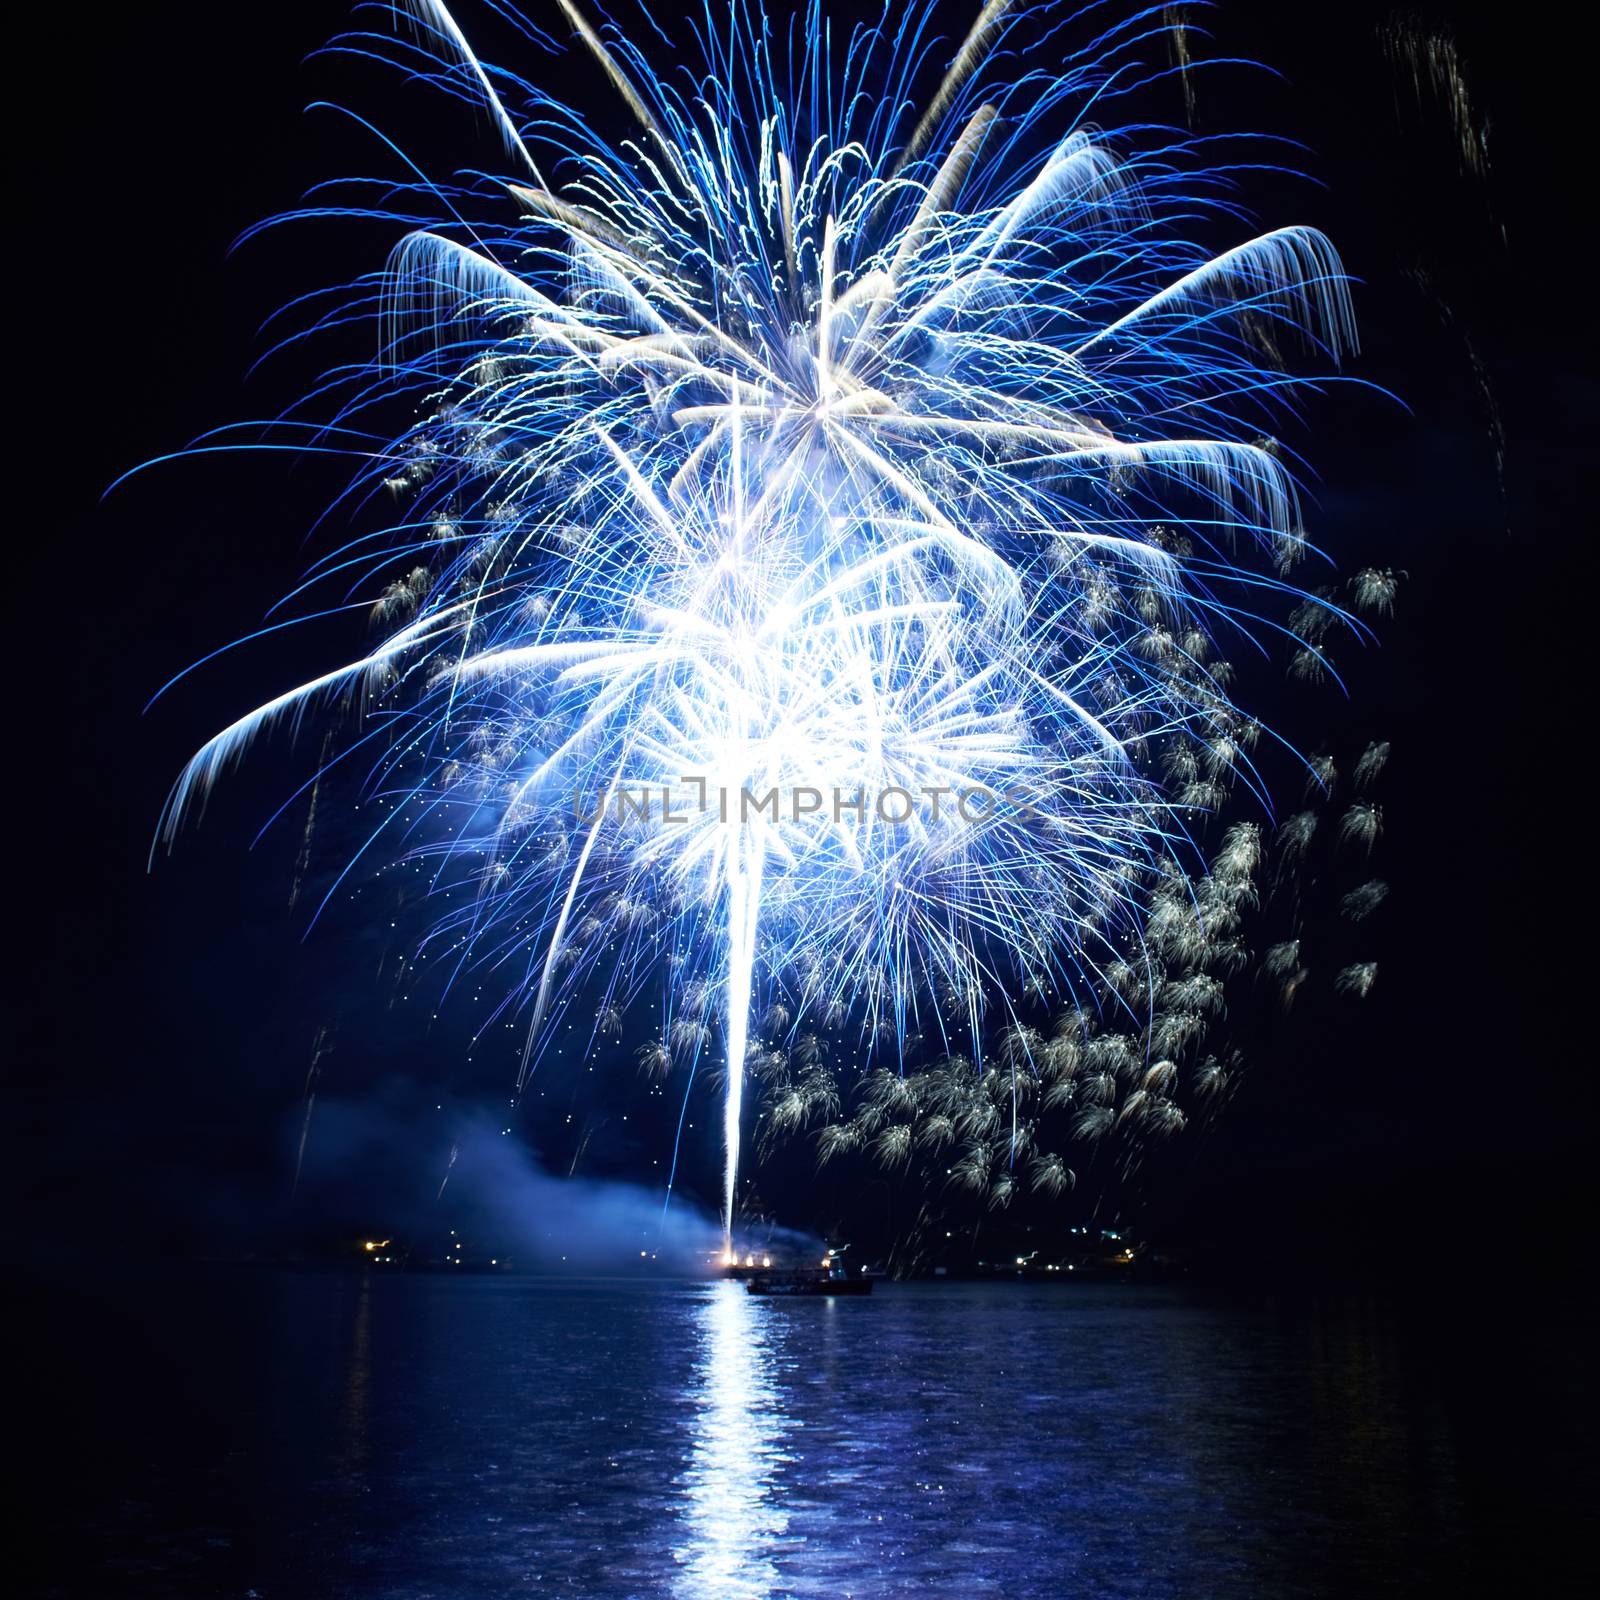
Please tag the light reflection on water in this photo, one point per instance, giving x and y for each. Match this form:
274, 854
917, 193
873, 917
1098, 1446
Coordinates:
733, 1515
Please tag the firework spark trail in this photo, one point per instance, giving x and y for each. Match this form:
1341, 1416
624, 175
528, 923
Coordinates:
319, 1046
804, 444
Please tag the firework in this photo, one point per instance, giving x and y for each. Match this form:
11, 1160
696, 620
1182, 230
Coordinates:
1074, 1100
822, 512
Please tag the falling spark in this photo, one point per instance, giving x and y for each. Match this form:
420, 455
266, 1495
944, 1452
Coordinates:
1432, 61
319, 1045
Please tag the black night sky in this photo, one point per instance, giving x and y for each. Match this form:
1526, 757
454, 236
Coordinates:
164, 1021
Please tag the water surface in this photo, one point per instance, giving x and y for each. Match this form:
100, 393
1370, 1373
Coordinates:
350, 1436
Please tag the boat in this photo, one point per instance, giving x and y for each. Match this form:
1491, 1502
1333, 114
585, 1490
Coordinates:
830, 1281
